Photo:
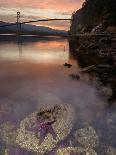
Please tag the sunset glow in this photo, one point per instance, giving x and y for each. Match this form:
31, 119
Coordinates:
43, 52
39, 9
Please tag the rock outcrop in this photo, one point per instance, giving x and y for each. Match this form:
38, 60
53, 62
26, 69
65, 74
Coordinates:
96, 55
94, 16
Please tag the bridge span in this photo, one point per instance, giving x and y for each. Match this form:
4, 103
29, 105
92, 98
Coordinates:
18, 22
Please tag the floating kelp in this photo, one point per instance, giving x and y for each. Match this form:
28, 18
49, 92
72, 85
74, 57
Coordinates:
75, 151
87, 137
29, 140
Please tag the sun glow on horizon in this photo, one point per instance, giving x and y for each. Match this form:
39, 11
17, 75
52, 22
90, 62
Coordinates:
39, 9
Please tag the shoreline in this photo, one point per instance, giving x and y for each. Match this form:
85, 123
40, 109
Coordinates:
96, 54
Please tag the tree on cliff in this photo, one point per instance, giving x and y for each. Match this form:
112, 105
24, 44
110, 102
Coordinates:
92, 13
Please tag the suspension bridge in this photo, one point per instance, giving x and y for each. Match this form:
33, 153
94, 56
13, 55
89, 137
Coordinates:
19, 23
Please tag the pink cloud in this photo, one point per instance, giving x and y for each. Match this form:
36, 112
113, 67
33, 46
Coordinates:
63, 5
34, 9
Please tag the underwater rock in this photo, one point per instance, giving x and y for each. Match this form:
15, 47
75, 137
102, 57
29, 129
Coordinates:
75, 76
4, 108
111, 151
87, 137
75, 151
106, 91
8, 133
29, 140
58, 117
67, 65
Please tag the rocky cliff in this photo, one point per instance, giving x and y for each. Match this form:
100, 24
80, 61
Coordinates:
94, 15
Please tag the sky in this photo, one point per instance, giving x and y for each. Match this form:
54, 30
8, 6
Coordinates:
40, 9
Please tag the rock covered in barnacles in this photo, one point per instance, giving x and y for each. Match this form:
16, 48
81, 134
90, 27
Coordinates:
64, 116
87, 137
75, 151
8, 133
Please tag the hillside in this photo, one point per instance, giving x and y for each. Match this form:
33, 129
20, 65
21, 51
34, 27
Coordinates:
94, 14
28, 29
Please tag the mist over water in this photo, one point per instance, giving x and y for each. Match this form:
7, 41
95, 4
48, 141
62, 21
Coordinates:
32, 74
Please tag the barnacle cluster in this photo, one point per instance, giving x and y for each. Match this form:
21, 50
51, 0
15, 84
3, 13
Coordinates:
75, 151
8, 133
87, 137
64, 115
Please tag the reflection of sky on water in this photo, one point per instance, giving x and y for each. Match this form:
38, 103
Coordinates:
39, 52
34, 75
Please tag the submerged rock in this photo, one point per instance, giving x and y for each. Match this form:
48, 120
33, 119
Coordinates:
67, 65
28, 140
111, 151
106, 91
75, 151
75, 76
87, 137
25, 138
8, 133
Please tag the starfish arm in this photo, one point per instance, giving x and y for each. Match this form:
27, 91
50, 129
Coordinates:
35, 128
43, 133
52, 132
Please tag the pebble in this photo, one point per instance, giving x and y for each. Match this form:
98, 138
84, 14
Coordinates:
87, 137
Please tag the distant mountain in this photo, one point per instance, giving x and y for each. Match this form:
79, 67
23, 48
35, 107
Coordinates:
28, 29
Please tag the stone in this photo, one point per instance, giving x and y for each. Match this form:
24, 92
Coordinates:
8, 133
26, 139
63, 125
111, 151
75, 151
87, 137
106, 91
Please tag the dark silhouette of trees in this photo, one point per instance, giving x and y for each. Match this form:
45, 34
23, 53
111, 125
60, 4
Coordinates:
94, 12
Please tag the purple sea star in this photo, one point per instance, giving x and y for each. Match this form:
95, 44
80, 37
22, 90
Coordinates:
44, 128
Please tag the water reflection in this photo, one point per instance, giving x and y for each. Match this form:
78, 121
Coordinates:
40, 52
37, 78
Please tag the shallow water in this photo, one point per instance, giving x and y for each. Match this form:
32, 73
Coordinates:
32, 74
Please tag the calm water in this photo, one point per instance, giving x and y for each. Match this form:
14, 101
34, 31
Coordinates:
33, 74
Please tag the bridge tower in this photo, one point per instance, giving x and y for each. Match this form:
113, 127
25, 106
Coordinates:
19, 40
18, 23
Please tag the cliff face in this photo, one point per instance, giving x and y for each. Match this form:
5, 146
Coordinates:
94, 13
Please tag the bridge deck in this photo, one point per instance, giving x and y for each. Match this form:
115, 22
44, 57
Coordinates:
33, 21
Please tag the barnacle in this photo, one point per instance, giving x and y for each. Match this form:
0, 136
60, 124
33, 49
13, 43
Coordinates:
87, 137
7, 133
75, 151
28, 140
